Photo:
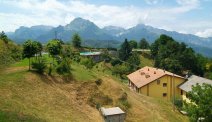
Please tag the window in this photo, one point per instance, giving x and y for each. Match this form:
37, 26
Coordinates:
164, 94
164, 84
158, 82
181, 92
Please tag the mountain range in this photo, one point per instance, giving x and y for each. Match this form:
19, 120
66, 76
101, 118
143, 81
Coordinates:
110, 36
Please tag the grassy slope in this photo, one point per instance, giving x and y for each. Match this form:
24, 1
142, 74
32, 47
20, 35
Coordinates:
31, 97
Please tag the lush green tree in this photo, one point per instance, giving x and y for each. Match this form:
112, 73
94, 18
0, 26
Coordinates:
29, 50
39, 47
176, 57
125, 51
76, 40
15, 51
133, 44
171, 65
64, 67
9, 51
115, 62
5, 57
54, 48
39, 65
200, 105
4, 37
134, 61
88, 63
120, 69
143, 44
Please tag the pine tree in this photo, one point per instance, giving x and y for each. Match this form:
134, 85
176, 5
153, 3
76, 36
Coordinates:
125, 51
76, 41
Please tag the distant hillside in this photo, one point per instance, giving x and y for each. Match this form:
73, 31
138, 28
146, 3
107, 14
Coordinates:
200, 45
91, 32
113, 30
24, 33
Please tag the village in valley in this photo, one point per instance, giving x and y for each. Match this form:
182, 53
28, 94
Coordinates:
81, 72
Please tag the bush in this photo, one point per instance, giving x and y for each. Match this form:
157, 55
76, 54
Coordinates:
123, 97
98, 106
98, 99
64, 67
123, 102
50, 71
178, 103
120, 70
98, 82
39, 65
115, 62
88, 63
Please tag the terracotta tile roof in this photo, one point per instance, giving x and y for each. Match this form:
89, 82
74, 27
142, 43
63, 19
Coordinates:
147, 74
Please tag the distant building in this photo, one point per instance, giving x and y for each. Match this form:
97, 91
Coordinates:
113, 53
96, 56
156, 83
113, 114
141, 50
192, 81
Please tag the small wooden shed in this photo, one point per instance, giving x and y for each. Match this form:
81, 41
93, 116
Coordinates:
114, 114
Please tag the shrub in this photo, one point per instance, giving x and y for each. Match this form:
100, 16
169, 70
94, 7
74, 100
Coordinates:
98, 106
39, 65
123, 102
123, 97
50, 71
98, 82
178, 103
64, 67
99, 99
115, 62
88, 63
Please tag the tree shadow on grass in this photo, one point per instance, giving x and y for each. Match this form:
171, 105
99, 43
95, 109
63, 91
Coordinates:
10, 116
49, 79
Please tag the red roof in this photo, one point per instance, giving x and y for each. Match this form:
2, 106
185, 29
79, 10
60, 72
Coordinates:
147, 75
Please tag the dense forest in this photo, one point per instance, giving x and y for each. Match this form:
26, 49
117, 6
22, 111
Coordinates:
179, 58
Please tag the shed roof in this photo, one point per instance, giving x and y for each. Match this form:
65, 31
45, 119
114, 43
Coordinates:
111, 111
147, 75
193, 81
90, 53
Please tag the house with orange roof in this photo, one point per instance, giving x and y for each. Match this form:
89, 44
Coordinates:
156, 82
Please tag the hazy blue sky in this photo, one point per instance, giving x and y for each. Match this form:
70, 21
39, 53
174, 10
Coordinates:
185, 16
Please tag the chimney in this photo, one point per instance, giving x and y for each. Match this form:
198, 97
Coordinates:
147, 75
154, 72
148, 69
142, 73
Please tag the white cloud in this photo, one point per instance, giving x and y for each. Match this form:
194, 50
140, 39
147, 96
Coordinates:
205, 33
188, 2
153, 2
